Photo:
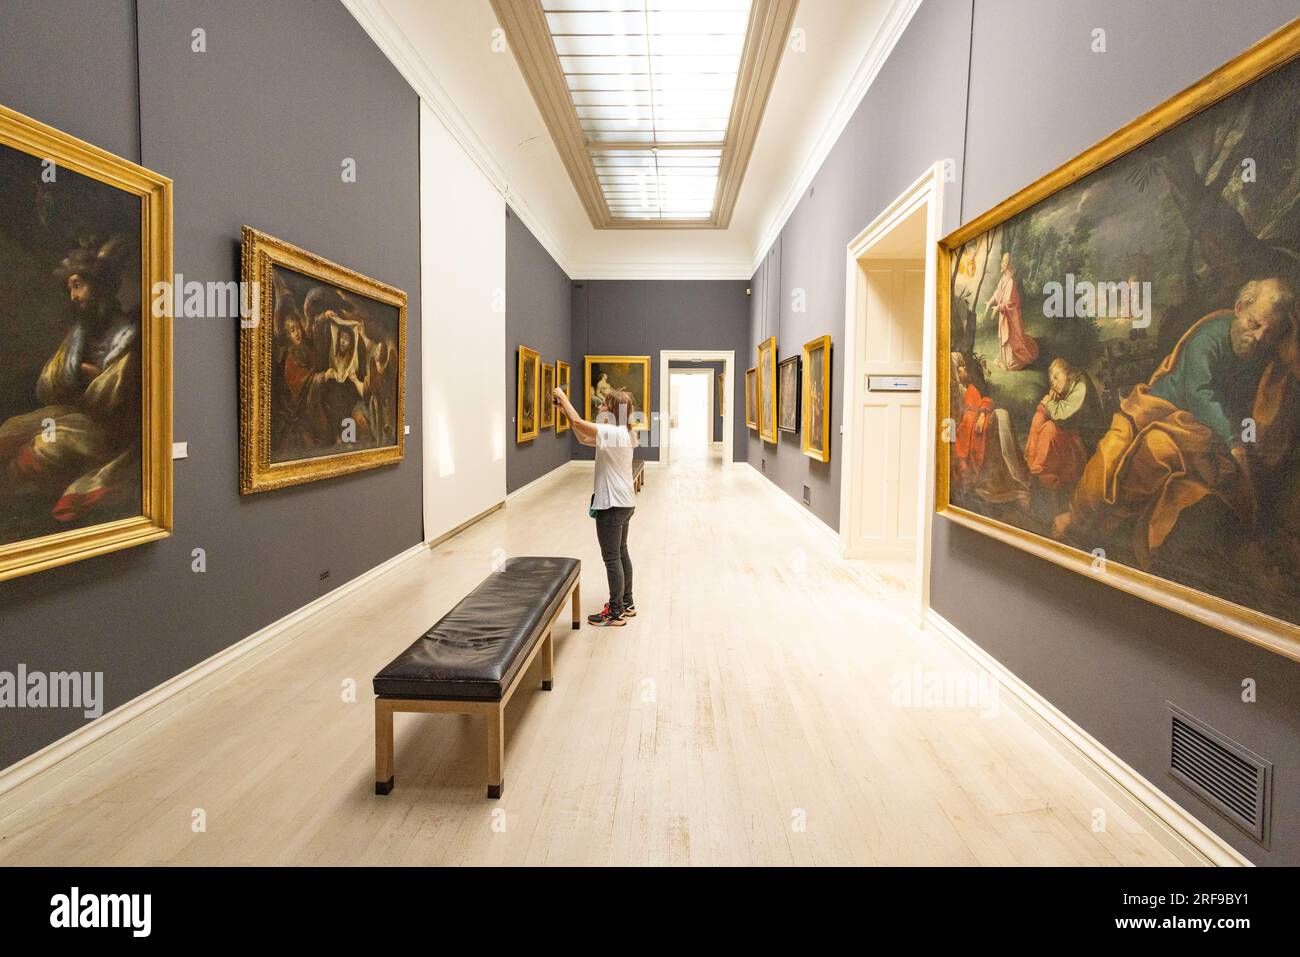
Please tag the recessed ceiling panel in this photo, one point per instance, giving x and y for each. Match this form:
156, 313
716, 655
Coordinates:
654, 104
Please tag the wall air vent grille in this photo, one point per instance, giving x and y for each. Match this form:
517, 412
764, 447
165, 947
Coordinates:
1233, 780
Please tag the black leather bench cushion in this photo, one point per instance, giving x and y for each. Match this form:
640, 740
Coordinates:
478, 646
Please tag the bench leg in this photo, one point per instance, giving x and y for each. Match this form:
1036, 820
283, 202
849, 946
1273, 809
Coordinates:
383, 746
548, 662
577, 605
496, 751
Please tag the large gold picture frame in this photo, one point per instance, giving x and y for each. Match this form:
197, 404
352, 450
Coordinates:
562, 374
767, 389
544, 401
815, 435
527, 395
630, 372
262, 254
46, 144
751, 398
1275, 634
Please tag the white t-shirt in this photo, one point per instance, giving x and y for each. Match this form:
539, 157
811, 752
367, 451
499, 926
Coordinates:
614, 447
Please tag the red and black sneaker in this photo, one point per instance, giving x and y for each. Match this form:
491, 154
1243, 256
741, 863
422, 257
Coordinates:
603, 619
629, 611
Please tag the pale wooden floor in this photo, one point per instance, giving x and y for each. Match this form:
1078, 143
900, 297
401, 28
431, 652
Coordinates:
745, 717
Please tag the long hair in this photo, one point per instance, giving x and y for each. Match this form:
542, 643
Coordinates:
620, 406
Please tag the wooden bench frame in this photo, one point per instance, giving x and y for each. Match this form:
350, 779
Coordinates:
638, 475
494, 709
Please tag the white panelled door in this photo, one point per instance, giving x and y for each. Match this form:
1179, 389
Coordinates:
889, 421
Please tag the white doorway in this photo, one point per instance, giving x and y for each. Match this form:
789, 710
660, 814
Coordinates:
690, 412
723, 410
887, 465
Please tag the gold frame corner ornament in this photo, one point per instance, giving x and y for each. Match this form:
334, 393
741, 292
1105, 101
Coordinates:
25, 557
767, 372
260, 254
805, 412
1276, 635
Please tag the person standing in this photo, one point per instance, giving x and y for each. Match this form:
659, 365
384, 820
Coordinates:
613, 500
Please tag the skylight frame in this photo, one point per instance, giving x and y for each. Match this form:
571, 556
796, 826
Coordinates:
583, 116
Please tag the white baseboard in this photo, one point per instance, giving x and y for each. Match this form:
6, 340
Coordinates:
791, 503
55, 763
541, 480
1163, 817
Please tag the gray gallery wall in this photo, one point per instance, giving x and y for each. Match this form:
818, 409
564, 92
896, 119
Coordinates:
913, 114
644, 317
1037, 96
718, 368
538, 305
252, 131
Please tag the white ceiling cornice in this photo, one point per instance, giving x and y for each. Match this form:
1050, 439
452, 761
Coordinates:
896, 20
388, 35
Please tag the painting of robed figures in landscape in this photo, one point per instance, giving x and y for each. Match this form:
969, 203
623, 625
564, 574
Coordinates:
1121, 366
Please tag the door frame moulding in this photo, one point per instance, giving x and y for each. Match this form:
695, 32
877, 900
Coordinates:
710, 395
925, 193
530, 41
728, 359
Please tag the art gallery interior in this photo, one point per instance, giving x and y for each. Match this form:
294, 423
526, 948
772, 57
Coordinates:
297, 550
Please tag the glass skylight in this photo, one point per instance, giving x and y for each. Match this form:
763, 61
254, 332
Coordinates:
652, 82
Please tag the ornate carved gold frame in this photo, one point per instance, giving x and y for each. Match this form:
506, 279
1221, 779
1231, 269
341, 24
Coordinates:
645, 384
1272, 633
155, 192
562, 375
526, 356
805, 414
751, 412
767, 375
261, 253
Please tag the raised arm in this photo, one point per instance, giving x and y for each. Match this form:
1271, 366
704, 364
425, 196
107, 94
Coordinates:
584, 430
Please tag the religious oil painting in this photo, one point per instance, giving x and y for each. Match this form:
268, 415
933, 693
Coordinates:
322, 368
816, 361
85, 350
767, 389
787, 381
528, 395
628, 373
562, 374
751, 398
545, 401
1119, 353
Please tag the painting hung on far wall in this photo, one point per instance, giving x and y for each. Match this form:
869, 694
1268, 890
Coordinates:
544, 399
322, 368
816, 415
1120, 353
85, 350
787, 381
751, 398
527, 395
767, 389
629, 373
561, 382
